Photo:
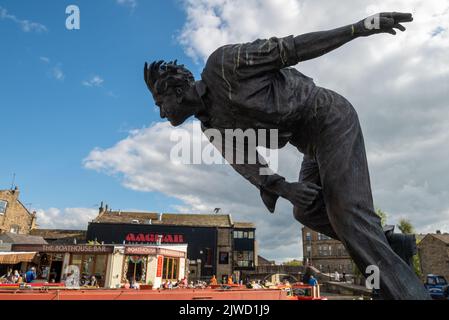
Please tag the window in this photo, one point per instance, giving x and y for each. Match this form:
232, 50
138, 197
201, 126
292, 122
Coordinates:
308, 236
244, 258
3, 205
251, 234
224, 258
323, 237
14, 229
441, 281
90, 265
170, 271
135, 268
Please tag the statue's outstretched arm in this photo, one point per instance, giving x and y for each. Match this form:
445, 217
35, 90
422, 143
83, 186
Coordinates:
312, 45
253, 167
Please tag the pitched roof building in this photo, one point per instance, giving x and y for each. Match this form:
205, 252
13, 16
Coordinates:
217, 245
433, 252
14, 216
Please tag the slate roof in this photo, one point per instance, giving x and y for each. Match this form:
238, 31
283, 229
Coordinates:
175, 219
244, 225
21, 239
59, 236
443, 237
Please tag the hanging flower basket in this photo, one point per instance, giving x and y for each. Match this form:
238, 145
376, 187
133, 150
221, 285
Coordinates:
135, 259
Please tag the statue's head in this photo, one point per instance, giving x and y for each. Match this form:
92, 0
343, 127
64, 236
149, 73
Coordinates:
168, 82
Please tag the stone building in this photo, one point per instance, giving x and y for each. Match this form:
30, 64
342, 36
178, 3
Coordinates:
433, 252
324, 253
14, 216
217, 245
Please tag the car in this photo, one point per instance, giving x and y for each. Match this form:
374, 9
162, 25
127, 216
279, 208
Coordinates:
437, 286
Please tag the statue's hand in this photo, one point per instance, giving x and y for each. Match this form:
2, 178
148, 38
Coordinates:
385, 22
300, 194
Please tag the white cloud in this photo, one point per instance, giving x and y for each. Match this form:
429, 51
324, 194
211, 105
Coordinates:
44, 59
68, 218
128, 3
94, 81
55, 70
25, 25
57, 73
399, 86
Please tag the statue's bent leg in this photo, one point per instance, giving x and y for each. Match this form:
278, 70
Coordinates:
343, 169
315, 217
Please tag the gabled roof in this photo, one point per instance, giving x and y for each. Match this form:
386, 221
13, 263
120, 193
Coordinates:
21, 239
175, 219
442, 237
18, 201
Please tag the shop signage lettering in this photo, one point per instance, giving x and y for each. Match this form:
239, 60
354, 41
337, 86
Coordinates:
160, 263
140, 250
171, 253
77, 248
153, 238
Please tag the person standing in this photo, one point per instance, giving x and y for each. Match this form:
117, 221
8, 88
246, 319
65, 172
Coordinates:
30, 275
337, 276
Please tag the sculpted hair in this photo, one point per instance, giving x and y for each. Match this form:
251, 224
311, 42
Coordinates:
161, 75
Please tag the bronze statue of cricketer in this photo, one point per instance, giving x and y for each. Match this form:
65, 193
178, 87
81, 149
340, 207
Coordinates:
252, 86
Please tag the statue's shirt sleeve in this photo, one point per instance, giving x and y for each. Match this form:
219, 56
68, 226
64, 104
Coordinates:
252, 81
249, 60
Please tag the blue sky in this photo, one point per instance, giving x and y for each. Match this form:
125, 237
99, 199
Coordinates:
51, 121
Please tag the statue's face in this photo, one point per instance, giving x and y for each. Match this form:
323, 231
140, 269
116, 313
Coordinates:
171, 109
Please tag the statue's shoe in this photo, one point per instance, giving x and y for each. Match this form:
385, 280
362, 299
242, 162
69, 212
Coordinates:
404, 245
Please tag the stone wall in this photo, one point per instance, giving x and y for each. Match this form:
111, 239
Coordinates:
324, 253
224, 244
434, 256
16, 215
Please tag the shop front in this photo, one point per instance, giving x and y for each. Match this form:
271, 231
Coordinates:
11, 261
55, 262
111, 265
152, 265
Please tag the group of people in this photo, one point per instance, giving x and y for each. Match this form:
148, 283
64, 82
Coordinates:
181, 283
337, 277
133, 284
16, 277
226, 280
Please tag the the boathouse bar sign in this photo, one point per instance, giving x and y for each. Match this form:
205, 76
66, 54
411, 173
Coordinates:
78, 248
53, 248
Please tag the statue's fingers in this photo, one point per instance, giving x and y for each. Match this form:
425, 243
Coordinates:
313, 186
400, 27
402, 17
391, 31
